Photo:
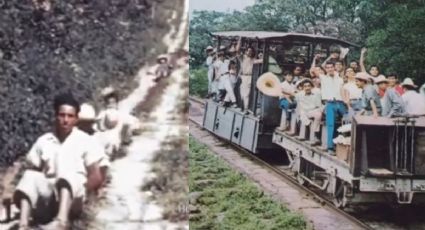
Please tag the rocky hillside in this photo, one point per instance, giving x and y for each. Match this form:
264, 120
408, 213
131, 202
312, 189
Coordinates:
51, 46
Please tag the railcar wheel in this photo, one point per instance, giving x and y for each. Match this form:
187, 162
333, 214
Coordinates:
339, 199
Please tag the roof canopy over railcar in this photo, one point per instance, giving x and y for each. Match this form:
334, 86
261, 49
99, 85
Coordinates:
282, 36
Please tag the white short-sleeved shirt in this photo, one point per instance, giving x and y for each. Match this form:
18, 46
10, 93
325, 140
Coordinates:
288, 87
354, 91
75, 154
331, 87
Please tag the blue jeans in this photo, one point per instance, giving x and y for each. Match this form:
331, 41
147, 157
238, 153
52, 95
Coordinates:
333, 109
285, 105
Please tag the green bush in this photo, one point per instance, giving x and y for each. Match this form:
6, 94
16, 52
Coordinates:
198, 84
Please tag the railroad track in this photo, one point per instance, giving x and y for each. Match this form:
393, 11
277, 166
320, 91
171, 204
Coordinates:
285, 175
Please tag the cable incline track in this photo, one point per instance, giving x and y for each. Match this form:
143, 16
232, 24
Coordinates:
283, 174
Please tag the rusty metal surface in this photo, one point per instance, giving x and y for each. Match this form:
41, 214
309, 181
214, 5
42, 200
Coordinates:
282, 35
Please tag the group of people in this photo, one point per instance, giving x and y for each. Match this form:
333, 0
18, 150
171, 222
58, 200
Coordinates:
71, 161
335, 89
224, 72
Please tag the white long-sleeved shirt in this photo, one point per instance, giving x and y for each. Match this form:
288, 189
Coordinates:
414, 102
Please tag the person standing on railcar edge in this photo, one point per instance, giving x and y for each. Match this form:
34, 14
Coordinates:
392, 103
247, 63
332, 94
209, 63
59, 165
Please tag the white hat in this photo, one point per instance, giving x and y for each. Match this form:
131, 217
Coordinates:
363, 76
209, 48
106, 91
379, 79
222, 47
408, 81
87, 112
162, 56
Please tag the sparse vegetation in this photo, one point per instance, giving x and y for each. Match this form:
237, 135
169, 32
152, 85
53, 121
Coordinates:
221, 198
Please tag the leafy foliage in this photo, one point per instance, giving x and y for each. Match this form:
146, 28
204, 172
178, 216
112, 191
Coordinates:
75, 45
393, 31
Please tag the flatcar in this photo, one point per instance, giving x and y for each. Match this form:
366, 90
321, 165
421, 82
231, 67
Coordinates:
386, 158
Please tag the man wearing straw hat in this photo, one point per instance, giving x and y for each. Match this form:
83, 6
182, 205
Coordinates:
163, 69
371, 102
392, 103
414, 102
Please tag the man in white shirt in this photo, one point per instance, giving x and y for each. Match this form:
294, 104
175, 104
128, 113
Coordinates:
352, 93
287, 101
209, 62
310, 107
331, 91
414, 101
59, 165
221, 66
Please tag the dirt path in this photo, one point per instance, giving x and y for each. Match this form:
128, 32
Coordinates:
126, 206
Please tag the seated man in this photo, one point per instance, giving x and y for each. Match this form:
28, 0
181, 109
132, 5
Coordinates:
414, 101
371, 102
58, 167
163, 69
392, 103
310, 107
287, 101
86, 122
126, 123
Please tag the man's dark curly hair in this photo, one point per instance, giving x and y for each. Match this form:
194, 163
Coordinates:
65, 99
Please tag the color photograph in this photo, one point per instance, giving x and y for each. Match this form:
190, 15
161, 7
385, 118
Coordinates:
306, 114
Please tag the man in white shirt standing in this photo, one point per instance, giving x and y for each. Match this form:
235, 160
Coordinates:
414, 101
59, 165
209, 62
331, 91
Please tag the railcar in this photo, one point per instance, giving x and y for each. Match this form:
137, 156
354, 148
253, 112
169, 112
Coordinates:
386, 160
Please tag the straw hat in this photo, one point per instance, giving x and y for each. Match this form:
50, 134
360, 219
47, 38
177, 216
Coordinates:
381, 78
162, 57
222, 47
107, 91
269, 84
87, 112
409, 82
363, 76
209, 48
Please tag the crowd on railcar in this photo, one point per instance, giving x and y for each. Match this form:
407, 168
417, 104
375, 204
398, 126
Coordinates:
334, 90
